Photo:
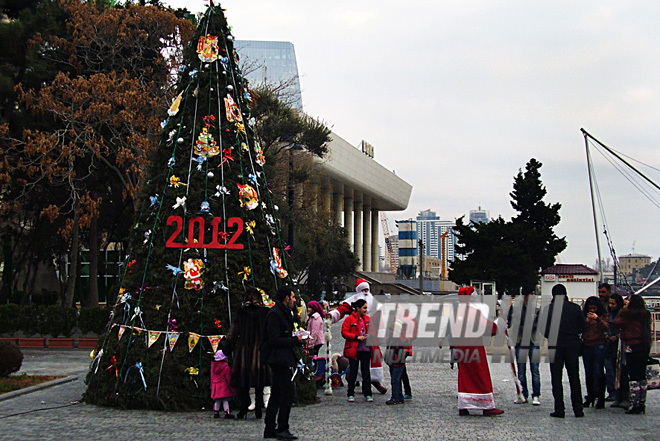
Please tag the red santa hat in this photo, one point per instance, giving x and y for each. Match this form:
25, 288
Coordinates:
466, 291
361, 284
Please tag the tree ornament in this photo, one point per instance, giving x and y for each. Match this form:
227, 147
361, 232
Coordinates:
174, 108
207, 48
232, 110
276, 265
206, 145
193, 274
247, 196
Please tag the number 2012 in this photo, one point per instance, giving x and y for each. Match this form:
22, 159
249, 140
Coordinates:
198, 224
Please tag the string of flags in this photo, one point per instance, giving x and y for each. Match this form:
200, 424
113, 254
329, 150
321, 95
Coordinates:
172, 337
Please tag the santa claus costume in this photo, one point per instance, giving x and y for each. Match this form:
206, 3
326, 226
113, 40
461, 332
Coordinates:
363, 292
475, 388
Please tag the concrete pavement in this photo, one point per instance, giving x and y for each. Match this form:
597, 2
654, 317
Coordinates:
55, 413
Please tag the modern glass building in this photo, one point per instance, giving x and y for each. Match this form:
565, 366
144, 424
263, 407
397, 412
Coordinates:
479, 216
271, 62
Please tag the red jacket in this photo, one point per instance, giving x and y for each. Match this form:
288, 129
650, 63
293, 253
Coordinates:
350, 331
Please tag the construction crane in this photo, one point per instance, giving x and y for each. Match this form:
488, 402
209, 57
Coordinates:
388, 242
443, 272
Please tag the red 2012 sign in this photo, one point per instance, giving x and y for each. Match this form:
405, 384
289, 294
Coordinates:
197, 224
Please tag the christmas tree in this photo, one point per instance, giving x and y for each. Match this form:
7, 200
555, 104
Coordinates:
206, 231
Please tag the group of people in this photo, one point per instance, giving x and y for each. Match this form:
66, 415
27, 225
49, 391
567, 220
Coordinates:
613, 337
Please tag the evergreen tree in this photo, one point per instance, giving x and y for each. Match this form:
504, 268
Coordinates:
511, 253
207, 230
536, 219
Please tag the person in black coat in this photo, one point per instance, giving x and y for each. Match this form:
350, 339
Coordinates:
244, 340
566, 350
277, 350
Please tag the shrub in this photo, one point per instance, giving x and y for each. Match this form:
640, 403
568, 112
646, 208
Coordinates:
11, 358
9, 318
32, 319
93, 319
59, 320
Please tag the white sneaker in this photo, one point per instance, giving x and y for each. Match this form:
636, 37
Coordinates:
351, 399
536, 401
520, 400
369, 399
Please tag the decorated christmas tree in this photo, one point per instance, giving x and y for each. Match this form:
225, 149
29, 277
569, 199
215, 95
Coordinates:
206, 231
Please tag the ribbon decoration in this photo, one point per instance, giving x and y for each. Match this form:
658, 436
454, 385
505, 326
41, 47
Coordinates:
175, 270
192, 370
97, 360
180, 202
299, 367
246, 273
113, 366
250, 227
138, 365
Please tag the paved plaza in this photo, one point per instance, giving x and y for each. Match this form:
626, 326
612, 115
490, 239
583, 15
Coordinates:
55, 413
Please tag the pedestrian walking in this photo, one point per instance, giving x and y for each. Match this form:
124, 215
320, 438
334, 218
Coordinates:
566, 350
278, 352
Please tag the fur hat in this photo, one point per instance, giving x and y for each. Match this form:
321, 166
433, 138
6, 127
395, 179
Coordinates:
316, 307
220, 356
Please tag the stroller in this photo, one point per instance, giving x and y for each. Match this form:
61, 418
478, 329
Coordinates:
339, 365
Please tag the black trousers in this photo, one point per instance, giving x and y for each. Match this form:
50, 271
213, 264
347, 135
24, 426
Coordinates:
569, 358
281, 399
406, 382
364, 360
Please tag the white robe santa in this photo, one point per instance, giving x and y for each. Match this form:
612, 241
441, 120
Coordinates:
475, 388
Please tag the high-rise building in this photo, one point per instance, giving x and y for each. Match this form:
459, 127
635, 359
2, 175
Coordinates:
271, 62
428, 224
479, 216
407, 248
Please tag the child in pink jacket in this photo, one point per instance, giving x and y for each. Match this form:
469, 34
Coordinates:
221, 391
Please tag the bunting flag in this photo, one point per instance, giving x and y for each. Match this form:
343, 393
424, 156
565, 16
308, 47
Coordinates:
153, 337
172, 337
192, 341
122, 328
215, 341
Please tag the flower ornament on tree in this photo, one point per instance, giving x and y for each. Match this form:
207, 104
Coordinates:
247, 196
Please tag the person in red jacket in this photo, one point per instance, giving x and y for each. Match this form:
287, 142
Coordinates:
221, 391
355, 330
363, 292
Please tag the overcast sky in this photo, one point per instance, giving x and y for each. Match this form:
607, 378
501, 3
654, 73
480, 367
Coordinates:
456, 96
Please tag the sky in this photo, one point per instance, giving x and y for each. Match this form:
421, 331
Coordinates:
457, 96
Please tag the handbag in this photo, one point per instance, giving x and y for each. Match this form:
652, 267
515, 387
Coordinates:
652, 373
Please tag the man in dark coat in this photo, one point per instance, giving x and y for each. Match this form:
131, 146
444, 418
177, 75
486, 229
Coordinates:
567, 350
278, 351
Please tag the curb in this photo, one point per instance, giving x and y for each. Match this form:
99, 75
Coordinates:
36, 387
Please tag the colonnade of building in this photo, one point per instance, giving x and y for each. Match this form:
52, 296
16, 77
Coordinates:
353, 210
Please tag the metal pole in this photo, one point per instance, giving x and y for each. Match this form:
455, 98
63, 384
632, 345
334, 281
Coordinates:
421, 266
593, 206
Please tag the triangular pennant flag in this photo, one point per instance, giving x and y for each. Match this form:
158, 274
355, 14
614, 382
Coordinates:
215, 341
122, 328
172, 337
192, 341
153, 337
